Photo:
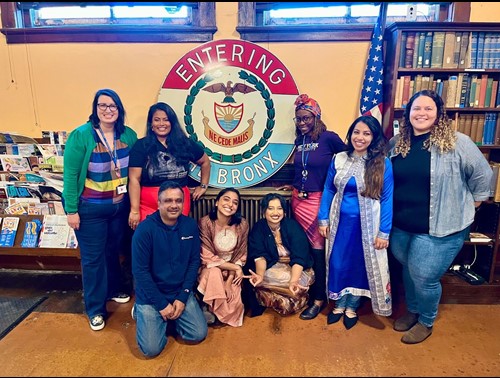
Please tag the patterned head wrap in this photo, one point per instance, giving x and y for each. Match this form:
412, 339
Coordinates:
307, 103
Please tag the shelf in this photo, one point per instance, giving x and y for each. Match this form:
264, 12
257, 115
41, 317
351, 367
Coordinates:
41, 252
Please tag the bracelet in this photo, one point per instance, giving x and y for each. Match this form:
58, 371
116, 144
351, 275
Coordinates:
72, 213
134, 212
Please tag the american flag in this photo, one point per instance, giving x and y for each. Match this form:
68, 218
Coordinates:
372, 95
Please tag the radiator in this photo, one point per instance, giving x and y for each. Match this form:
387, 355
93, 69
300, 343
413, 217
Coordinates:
249, 203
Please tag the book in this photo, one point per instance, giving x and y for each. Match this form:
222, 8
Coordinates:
54, 232
410, 49
437, 49
456, 49
8, 231
494, 89
452, 91
427, 50
464, 59
405, 96
31, 233
480, 50
479, 237
14, 163
449, 45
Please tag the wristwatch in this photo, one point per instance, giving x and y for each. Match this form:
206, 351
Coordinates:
204, 186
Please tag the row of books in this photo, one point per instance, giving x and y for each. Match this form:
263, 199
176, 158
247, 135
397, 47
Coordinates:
37, 149
52, 232
55, 137
465, 90
483, 128
451, 49
22, 158
35, 197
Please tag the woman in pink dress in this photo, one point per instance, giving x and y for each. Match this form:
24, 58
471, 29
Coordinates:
224, 235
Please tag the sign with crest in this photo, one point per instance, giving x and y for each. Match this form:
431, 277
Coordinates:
236, 100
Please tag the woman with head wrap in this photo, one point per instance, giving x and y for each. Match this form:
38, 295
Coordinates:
315, 147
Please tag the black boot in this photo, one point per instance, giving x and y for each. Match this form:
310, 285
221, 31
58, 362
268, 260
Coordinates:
317, 291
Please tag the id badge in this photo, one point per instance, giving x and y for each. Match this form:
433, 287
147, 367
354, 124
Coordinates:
121, 189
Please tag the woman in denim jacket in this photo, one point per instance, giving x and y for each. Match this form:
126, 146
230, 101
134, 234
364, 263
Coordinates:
440, 176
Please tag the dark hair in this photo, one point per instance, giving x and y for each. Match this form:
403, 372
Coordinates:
236, 217
169, 185
177, 141
375, 156
120, 121
264, 203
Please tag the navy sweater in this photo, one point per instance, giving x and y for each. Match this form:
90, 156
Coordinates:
165, 260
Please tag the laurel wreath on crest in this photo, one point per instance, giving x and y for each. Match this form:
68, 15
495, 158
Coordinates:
268, 131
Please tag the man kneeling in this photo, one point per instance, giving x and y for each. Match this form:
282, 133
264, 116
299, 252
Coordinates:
165, 262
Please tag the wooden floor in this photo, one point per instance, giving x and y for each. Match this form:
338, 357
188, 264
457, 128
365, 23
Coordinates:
56, 340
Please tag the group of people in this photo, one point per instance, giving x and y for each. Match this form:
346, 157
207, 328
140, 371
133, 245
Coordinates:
349, 202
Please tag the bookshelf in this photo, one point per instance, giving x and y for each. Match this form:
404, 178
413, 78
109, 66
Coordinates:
453, 63
454, 59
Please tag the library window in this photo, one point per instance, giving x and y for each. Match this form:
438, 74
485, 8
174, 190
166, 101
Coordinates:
324, 21
30, 22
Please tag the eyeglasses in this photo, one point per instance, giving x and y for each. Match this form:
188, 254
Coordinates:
103, 107
305, 119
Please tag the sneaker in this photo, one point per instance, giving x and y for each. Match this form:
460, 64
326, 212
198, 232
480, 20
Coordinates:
121, 298
97, 323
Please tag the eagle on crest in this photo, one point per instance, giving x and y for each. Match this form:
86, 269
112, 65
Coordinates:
229, 90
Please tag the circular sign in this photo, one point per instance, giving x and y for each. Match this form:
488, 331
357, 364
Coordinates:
236, 100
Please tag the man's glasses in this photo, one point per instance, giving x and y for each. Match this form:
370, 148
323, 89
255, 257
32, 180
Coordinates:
305, 119
103, 107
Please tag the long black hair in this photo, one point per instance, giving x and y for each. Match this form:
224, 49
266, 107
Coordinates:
177, 141
375, 156
236, 217
120, 121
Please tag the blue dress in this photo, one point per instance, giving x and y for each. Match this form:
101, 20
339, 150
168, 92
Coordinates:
353, 264
347, 263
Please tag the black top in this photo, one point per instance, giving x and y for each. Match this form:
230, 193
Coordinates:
261, 243
412, 188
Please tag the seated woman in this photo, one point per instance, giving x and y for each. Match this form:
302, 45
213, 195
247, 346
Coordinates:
279, 259
224, 236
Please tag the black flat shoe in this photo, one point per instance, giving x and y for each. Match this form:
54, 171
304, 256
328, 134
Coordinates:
333, 318
350, 322
311, 312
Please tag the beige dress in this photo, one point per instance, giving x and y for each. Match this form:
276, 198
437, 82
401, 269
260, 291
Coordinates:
220, 245
274, 291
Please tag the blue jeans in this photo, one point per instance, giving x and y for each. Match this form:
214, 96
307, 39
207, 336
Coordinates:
100, 236
151, 329
425, 259
348, 301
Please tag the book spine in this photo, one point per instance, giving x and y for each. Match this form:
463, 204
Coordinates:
427, 50
437, 49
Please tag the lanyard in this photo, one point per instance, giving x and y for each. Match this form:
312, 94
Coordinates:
304, 162
112, 153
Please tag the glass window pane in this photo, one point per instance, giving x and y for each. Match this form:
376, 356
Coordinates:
335, 11
150, 12
73, 12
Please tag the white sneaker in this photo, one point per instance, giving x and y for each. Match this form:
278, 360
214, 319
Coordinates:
97, 323
121, 298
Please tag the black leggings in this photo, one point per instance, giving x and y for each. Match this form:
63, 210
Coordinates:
317, 291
